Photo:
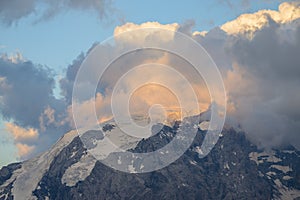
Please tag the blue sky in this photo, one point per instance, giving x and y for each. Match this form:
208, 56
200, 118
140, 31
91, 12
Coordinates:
58, 41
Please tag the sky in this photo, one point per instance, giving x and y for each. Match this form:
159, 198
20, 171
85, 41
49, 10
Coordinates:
54, 37
71, 32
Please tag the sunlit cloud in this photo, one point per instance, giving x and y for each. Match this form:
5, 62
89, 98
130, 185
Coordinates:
22, 134
247, 24
24, 150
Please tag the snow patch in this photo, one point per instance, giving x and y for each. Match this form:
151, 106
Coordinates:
131, 169
4, 196
73, 154
198, 150
142, 167
286, 193
119, 160
32, 171
114, 141
287, 178
264, 157
284, 169
204, 126
226, 166
271, 173
79, 171
193, 162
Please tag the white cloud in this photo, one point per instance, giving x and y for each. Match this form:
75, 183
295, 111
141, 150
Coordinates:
132, 26
151, 34
202, 33
13, 58
250, 23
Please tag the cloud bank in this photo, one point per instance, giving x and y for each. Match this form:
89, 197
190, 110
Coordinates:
259, 61
28, 104
263, 81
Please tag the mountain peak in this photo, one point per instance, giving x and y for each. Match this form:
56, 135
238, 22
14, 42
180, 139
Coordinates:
234, 169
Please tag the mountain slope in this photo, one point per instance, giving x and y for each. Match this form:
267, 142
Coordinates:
234, 169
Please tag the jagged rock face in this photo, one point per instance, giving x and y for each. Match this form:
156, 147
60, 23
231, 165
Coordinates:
187, 178
7, 171
282, 169
5, 174
234, 169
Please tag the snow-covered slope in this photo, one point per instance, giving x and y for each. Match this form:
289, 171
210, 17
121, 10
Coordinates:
25, 179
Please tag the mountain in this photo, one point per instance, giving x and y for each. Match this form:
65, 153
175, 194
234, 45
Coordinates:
234, 169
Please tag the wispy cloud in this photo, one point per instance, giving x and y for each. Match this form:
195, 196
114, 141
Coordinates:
14, 10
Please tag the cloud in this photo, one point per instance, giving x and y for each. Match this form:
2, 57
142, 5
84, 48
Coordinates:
259, 63
26, 90
261, 75
269, 65
86, 111
245, 5
250, 23
35, 117
258, 57
23, 139
24, 150
151, 34
140, 37
22, 134
66, 83
261, 72
14, 10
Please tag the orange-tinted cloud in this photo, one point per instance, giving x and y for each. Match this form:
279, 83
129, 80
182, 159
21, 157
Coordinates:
24, 150
22, 134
